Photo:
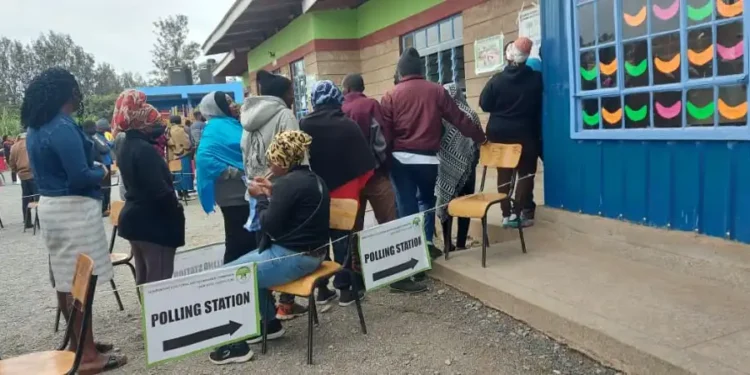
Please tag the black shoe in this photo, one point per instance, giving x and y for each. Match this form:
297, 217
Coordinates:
275, 331
233, 353
325, 295
408, 286
347, 297
434, 251
419, 277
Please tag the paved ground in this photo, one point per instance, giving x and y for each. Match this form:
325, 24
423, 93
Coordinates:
439, 332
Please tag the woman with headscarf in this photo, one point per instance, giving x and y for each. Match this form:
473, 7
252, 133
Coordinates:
294, 213
219, 171
62, 161
341, 156
152, 218
513, 98
458, 157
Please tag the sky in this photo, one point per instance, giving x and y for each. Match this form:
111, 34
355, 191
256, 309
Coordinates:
117, 32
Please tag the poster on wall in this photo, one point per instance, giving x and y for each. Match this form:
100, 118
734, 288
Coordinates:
529, 26
488, 54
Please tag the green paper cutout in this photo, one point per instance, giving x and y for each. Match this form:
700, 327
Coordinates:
636, 114
700, 113
700, 13
589, 75
591, 120
636, 70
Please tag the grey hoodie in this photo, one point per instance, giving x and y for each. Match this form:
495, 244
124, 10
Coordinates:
262, 117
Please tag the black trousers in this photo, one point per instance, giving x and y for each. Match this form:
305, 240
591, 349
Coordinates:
463, 223
525, 187
28, 195
106, 189
237, 240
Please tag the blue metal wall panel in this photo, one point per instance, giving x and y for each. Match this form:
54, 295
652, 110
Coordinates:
684, 185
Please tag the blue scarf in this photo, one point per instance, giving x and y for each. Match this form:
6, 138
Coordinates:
219, 149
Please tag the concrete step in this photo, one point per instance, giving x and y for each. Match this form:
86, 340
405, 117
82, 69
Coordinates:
644, 300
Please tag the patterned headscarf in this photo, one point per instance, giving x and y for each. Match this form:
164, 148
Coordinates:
132, 112
289, 148
326, 92
518, 52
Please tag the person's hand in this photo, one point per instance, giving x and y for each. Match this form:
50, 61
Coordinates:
265, 185
254, 189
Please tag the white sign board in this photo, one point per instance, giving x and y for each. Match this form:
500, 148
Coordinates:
189, 314
197, 260
529, 26
489, 54
393, 251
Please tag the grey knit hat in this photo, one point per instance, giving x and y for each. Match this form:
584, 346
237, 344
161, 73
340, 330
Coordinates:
410, 63
103, 125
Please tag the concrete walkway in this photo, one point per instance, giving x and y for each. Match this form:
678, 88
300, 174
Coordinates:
647, 301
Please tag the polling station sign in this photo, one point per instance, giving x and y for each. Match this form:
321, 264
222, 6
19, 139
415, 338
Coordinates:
199, 259
189, 314
393, 251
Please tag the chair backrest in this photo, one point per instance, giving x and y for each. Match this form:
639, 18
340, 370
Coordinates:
343, 213
175, 165
84, 284
82, 278
500, 155
114, 211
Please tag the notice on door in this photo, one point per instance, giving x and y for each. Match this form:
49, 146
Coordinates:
393, 251
189, 314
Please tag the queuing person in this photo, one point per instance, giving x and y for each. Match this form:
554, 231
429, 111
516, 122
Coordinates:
19, 164
262, 118
457, 172
196, 129
413, 111
62, 162
179, 147
104, 136
102, 155
513, 98
535, 63
340, 155
294, 214
152, 218
7, 144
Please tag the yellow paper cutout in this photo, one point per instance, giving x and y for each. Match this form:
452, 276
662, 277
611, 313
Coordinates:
612, 117
608, 69
733, 113
636, 19
667, 67
701, 58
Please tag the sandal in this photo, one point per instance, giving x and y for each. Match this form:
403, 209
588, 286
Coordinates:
104, 348
115, 361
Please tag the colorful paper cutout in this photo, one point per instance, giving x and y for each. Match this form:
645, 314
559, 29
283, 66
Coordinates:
729, 10
700, 13
700, 113
636, 115
701, 58
732, 112
668, 12
591, 120
731, 53
667, 67
612, 117
668, 112
636, 70
608, 69
589, 74
636, 19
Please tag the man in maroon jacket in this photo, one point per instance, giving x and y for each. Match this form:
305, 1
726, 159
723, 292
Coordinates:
412, 114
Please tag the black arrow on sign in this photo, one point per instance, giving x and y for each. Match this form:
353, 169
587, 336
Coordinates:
395, 269
194, 338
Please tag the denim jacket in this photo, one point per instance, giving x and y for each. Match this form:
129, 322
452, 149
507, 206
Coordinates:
62, 159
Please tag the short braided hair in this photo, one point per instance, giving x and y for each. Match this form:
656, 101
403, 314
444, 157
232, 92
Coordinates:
46, 94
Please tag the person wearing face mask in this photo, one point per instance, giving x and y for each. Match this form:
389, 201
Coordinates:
152, 218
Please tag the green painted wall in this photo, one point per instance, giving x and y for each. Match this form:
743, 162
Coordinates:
336, 24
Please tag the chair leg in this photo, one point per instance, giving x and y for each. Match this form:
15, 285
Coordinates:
117, 294
25, 216
523, 242
310, 314
355, 289
57, 319
36, 222
264, 346
314, 309
447, 232
484, 242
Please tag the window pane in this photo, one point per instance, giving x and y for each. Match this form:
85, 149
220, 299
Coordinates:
668, 109
433, 36
432, 68
699, 11
666, 54
446, 66
589, 70
458, 63
728, 8
408, 41
458, 27
666, 15
585, 19
446, 31
700, 53
611, 113
700, 107
590, 114
637, 111
636, 63
605, 20
635, 14
420, 39
608, 67
732, 106
730, 48
299, 81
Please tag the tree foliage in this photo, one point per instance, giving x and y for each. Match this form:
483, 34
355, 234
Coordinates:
172, 48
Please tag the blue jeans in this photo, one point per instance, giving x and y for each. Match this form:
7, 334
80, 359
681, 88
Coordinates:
415, 191
273, 272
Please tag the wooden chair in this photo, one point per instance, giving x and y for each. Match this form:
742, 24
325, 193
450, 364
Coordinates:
118, 259
32, 206
175, 166
343, 217
62, 361
475, 206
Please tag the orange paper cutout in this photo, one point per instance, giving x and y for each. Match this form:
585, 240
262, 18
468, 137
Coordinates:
667, 67
729, 10
608, 69
636, 19
612, 117
701, 58
733, 113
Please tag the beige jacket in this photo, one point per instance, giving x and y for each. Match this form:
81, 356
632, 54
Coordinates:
19, 159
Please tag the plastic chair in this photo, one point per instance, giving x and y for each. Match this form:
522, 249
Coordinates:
62, 361
343, 217
475, 206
